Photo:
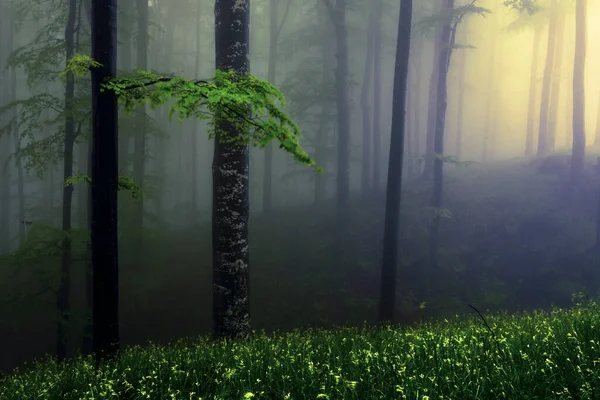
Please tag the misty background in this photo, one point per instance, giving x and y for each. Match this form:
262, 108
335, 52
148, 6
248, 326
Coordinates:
512, 235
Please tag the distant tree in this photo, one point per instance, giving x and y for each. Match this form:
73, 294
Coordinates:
104, 243
365, 105
543, 145
578, 151
377, 45
387, 299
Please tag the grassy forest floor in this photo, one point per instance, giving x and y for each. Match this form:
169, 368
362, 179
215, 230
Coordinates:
514, 241
540, 355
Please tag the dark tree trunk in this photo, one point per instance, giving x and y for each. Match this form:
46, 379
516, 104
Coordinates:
365, 98
139, 167
377, 14
64, 287
578, 152
105, 260
86, 341
547, 82
391, 234
531, 105
230, 209
556, 81
438, 164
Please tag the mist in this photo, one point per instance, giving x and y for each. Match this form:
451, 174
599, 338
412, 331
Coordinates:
513, 226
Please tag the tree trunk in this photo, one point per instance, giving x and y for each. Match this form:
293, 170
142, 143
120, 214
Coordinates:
64, 288
139, 145
274, 30
196, 130
105, 260
365, 98
377, 14
546, 84
230, 209
438, 164
578, 152
531, 105
556, 81
391, 235
485, 149
461, 101
432, 104
323, 131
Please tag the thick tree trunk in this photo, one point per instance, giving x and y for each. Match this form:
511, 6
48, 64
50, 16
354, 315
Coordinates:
531, 105
556, 81
547, 82
391, 235
365, 105
578, 152
105, 260
438, 164
64, 288
230, 209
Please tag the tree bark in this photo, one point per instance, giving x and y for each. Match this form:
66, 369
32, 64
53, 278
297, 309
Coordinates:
461, 101
230, 209
391, 235
105, 260
578, 151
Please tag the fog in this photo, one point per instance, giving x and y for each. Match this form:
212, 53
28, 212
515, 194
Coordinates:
513, 234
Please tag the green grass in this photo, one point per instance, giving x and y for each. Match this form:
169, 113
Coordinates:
541, 355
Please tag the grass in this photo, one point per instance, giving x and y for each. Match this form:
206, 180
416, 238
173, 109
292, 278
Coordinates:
539, 355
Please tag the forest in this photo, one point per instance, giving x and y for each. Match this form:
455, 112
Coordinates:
283, 199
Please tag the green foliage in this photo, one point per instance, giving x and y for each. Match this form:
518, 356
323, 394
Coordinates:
229, 97
124, 183
539, 355
455, 16
529, 7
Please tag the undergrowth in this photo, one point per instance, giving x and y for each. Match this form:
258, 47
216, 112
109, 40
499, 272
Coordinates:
539, 355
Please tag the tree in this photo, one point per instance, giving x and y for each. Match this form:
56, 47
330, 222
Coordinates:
365, 97
377, 13
105, 261
64, 288
394, 182
543, 141
230, 209
578, 150
275, 27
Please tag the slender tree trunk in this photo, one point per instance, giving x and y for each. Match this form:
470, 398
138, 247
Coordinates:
461, 101
391, 235
230, 209
377, 15
366, 112
578, 152
105, 260
531, 105
323, 131
20, 185
64, 288
556, 80
485, 149
274, 30
125, 54
86, 341
196, 130
547, 82
139, 167
432, 103
438, 165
